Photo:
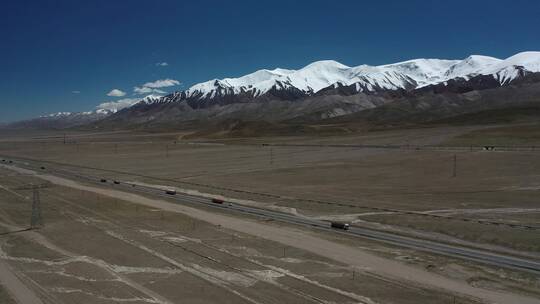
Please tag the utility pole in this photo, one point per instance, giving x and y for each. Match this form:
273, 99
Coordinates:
36, 220
454, 171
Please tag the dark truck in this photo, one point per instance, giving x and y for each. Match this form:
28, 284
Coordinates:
217, 201
339, 225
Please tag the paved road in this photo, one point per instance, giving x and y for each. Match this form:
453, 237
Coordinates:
476, 255
385, 146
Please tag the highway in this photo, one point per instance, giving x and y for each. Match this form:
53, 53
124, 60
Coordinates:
383, 146
475, 255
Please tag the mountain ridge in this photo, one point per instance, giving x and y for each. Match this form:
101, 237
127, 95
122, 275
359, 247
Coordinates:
283, 88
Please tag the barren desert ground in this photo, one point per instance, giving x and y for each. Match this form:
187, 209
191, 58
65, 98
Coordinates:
432, 183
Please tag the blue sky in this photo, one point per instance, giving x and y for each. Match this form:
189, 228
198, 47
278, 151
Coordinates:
67, 55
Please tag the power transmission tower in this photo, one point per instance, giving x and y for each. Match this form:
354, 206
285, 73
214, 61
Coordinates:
36, 220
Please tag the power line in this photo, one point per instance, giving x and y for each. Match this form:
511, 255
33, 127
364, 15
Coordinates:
454, 171
36, 220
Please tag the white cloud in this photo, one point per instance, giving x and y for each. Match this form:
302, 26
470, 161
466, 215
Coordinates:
142, 90
76, 92
162, 64
162, 83
118, 105
116, 93
154, 86
147, 90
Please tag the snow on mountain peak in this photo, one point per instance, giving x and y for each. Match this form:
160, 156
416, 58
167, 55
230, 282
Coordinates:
510, 68
151, 98
402, 75
530, 60
311, 78
423, 71
56, 115
324, 65
318, 75
472, 65
115, 106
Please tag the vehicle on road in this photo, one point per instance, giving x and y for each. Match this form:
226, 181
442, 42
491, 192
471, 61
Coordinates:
170, 192
217, 201
103, 180
116, 182
339, 225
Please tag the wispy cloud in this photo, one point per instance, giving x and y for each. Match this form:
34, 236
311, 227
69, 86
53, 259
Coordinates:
162, 83
154, 86
163, 64
147, 90
116, 93
76, 92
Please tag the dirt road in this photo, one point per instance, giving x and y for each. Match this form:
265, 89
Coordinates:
309, 242
16, 288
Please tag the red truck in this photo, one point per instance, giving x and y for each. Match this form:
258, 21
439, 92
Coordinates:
217, 201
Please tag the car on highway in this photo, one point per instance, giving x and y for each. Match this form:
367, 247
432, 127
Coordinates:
170, 192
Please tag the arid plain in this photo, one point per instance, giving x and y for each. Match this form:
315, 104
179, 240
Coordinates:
437, 183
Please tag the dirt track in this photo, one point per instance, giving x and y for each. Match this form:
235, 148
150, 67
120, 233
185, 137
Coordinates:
307, 241
16, 288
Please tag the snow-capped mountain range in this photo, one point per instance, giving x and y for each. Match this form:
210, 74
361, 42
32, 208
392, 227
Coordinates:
106, 108
320, 75
411, 74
